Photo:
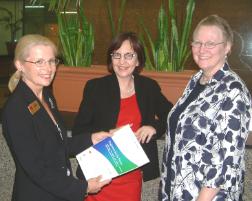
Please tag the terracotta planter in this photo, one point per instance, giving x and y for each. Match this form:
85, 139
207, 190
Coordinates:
69, 83
171, 83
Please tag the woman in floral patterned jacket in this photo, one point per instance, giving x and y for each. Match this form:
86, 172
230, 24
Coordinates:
208, 126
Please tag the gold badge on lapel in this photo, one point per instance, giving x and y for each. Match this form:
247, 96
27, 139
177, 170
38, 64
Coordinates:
33, 107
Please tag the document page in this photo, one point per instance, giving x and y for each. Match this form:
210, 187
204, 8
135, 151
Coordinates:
113, 156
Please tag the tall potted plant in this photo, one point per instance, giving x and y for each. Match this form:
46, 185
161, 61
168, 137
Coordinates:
76, 44
170, 50
76, 34
115, 28
168, 53
76, 38
74, 80
172, 43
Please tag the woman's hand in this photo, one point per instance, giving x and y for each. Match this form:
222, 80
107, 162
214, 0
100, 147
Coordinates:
99, 136
145, 133
95, 184
207, 194
112, 131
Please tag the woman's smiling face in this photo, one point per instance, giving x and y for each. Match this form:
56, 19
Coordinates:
126, 64
38, 76
210, 59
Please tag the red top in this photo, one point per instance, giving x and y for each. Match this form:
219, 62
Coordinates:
129, 113
128, 186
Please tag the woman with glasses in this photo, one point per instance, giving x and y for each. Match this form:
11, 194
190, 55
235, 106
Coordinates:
208, 126
125, 97
35, 133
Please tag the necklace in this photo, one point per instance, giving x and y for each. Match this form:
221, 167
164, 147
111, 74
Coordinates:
205, 79
129, 89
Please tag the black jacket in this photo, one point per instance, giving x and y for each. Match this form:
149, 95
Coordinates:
39, 152
100, 107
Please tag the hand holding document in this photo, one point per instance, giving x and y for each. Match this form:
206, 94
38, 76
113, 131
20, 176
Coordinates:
113, 156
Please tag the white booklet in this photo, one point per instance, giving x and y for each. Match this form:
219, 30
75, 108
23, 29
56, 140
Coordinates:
113, 156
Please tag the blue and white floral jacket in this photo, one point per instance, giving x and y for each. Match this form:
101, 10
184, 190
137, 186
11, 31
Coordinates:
210, 139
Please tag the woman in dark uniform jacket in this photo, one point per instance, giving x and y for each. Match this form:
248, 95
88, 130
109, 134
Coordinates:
101, 107
35, 133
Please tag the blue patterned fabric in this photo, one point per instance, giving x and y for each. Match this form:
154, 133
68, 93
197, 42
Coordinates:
209, 140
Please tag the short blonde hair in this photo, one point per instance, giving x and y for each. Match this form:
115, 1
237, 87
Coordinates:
22, 52
221, 23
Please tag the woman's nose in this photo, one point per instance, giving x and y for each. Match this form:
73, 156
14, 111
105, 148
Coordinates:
202, 48
122, 60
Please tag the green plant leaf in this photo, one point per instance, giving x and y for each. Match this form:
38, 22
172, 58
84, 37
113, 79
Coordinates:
151, 43
110, 16
115, 31
121, 14
170, 49
76, 38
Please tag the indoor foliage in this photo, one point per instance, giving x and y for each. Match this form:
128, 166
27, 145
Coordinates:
170, 50
76, 34
76, 38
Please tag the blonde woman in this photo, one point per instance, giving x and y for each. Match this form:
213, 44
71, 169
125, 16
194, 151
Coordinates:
35, 133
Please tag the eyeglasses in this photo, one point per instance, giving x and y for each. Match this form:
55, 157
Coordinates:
127, 56
208, 45
42, 62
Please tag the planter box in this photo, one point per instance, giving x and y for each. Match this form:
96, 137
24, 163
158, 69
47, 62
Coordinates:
172, 83
69, 83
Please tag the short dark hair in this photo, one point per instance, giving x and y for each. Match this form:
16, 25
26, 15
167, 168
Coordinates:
136, 46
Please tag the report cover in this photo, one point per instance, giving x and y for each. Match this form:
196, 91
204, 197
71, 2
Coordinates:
113, 156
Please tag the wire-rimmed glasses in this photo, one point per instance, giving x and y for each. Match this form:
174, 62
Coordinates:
208, 45
41, 63
127, 56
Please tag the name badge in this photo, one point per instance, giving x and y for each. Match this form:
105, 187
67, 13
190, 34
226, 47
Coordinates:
33, 107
